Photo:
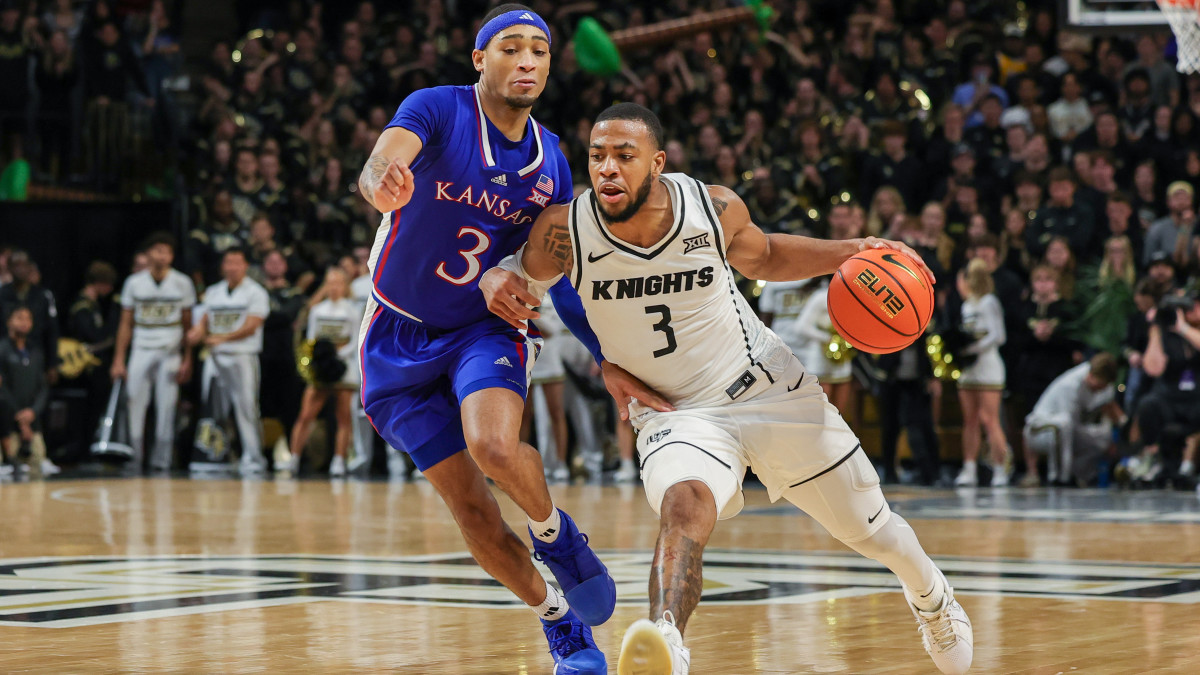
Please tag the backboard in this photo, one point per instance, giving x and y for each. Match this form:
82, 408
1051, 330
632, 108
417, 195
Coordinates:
1112, 14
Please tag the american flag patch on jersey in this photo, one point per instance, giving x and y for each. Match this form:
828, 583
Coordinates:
545, 184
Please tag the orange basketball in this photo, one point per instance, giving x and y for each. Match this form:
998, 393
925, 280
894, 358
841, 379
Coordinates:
880, 300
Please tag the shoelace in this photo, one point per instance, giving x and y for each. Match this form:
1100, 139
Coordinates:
563, 639
941, 631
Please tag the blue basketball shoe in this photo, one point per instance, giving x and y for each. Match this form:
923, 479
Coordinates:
573, 648
589, 588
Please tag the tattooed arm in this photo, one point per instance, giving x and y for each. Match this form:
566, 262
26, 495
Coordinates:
549, 251
386, 181
784, 257
545, 257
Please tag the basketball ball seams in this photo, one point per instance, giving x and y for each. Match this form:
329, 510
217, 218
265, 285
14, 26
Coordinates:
850, 290
858, 344
900, 284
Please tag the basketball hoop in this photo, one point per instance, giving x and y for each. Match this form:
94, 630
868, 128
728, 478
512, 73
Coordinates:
1184, 17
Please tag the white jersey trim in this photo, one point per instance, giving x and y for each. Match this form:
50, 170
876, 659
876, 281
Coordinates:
485, 139
679, 206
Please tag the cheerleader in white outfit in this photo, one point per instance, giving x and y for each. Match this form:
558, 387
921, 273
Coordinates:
811, 332
982, 383
335, 317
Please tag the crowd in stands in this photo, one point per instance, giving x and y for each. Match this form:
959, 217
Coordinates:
1048, 177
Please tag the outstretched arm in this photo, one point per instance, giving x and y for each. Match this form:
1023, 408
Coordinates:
386, 181
785, 257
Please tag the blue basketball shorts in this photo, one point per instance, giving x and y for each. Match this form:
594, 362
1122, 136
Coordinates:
414, 378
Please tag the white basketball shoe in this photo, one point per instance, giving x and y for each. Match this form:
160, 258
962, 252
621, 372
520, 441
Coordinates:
653, 649
945, 632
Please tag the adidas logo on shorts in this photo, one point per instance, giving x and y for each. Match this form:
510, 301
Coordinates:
503, 361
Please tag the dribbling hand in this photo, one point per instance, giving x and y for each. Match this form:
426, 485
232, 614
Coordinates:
876, 242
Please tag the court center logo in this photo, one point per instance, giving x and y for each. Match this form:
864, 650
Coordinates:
70, 592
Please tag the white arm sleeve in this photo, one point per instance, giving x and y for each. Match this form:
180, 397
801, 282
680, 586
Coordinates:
537, 288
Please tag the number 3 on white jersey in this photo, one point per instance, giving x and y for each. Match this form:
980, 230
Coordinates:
482, 242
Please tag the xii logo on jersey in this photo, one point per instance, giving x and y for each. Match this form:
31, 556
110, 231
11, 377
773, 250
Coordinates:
692, 243
538, 198
892, 304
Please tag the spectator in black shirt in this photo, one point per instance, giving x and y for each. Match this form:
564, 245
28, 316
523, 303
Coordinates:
893, 166
109, 66
1062, 216
988, 136
1042, 348
93, 320
16, 51
24, 292
280, 400
1137, 110
245, 191
56, 74
25, 390
1118, 213
1173, 356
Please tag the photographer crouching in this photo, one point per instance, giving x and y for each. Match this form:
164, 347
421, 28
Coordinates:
1170, 413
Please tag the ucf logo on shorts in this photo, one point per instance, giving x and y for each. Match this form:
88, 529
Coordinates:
892, 304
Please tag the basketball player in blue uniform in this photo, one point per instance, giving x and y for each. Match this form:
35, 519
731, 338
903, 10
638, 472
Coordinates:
461, 173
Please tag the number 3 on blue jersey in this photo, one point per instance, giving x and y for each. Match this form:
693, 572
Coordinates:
482, 242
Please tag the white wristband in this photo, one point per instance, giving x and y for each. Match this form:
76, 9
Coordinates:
537, 288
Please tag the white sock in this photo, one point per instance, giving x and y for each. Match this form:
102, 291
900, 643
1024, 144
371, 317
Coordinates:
930, 599
554, 607
627, 464
969, 466
1186, 468
547, 530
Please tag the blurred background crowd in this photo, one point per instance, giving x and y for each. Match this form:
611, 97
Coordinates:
1048, 177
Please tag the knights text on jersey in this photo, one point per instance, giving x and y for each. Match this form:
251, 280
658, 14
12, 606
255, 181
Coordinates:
476, 196
671, 314
227, 312
158, 308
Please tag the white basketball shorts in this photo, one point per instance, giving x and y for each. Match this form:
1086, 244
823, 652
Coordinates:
786, 430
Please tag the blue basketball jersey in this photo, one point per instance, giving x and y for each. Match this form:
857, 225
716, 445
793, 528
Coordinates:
476, 196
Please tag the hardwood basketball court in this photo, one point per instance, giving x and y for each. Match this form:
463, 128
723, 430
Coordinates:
228, 576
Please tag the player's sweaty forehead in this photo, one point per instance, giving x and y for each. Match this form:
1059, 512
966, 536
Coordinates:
620, 135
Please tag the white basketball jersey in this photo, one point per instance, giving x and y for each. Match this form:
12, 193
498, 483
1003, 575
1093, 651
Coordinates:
337, 321
671, 314
785, 299
158, 308
227, 312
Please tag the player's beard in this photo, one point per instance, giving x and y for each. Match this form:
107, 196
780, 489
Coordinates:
519, 102
639, 199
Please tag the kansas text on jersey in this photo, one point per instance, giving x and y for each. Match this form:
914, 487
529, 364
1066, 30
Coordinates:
476, 195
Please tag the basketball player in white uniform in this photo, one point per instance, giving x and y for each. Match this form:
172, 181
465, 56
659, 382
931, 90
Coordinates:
650, 255
232, 328
156, 304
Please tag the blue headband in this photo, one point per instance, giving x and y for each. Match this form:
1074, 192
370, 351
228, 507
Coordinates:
506, 20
